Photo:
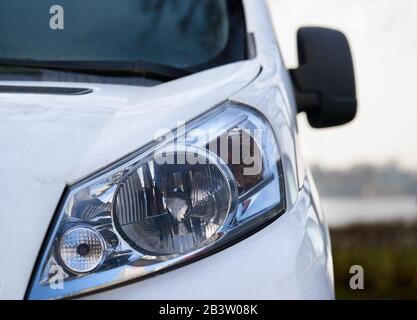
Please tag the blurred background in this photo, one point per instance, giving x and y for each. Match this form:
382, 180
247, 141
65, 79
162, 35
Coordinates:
366, 171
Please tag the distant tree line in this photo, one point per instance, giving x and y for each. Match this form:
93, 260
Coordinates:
366, 180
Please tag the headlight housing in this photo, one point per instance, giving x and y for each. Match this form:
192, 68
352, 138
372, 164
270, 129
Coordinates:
189, 193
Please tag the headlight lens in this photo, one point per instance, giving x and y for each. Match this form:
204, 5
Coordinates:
191, 192
81, 249
164, 209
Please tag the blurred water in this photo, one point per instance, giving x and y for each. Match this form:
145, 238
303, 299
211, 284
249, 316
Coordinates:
342, 211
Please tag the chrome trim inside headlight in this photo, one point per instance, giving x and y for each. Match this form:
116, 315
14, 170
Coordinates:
193, 191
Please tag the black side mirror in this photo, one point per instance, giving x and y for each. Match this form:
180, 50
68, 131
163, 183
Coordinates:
324, 82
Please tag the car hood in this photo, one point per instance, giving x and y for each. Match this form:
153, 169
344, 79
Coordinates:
50, 141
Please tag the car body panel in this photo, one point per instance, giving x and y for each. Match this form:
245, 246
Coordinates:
290, 258
285, 260
49, 142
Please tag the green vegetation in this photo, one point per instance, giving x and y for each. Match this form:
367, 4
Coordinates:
388, 254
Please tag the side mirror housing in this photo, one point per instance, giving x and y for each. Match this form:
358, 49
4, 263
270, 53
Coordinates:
324, 82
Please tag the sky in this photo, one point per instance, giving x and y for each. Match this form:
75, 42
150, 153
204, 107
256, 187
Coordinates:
383, 39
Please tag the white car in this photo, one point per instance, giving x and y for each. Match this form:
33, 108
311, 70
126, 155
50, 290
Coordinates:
149, 151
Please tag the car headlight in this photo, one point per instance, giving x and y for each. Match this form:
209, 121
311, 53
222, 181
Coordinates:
189, 193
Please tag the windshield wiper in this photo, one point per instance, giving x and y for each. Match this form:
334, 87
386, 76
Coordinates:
140, 68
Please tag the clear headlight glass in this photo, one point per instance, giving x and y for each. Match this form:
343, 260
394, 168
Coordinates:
164, 209
193, 191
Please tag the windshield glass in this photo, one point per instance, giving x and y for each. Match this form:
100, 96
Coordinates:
185, 34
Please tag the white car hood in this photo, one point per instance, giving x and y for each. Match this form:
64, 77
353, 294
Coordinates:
49, 141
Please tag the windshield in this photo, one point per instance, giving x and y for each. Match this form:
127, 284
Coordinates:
184, 34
